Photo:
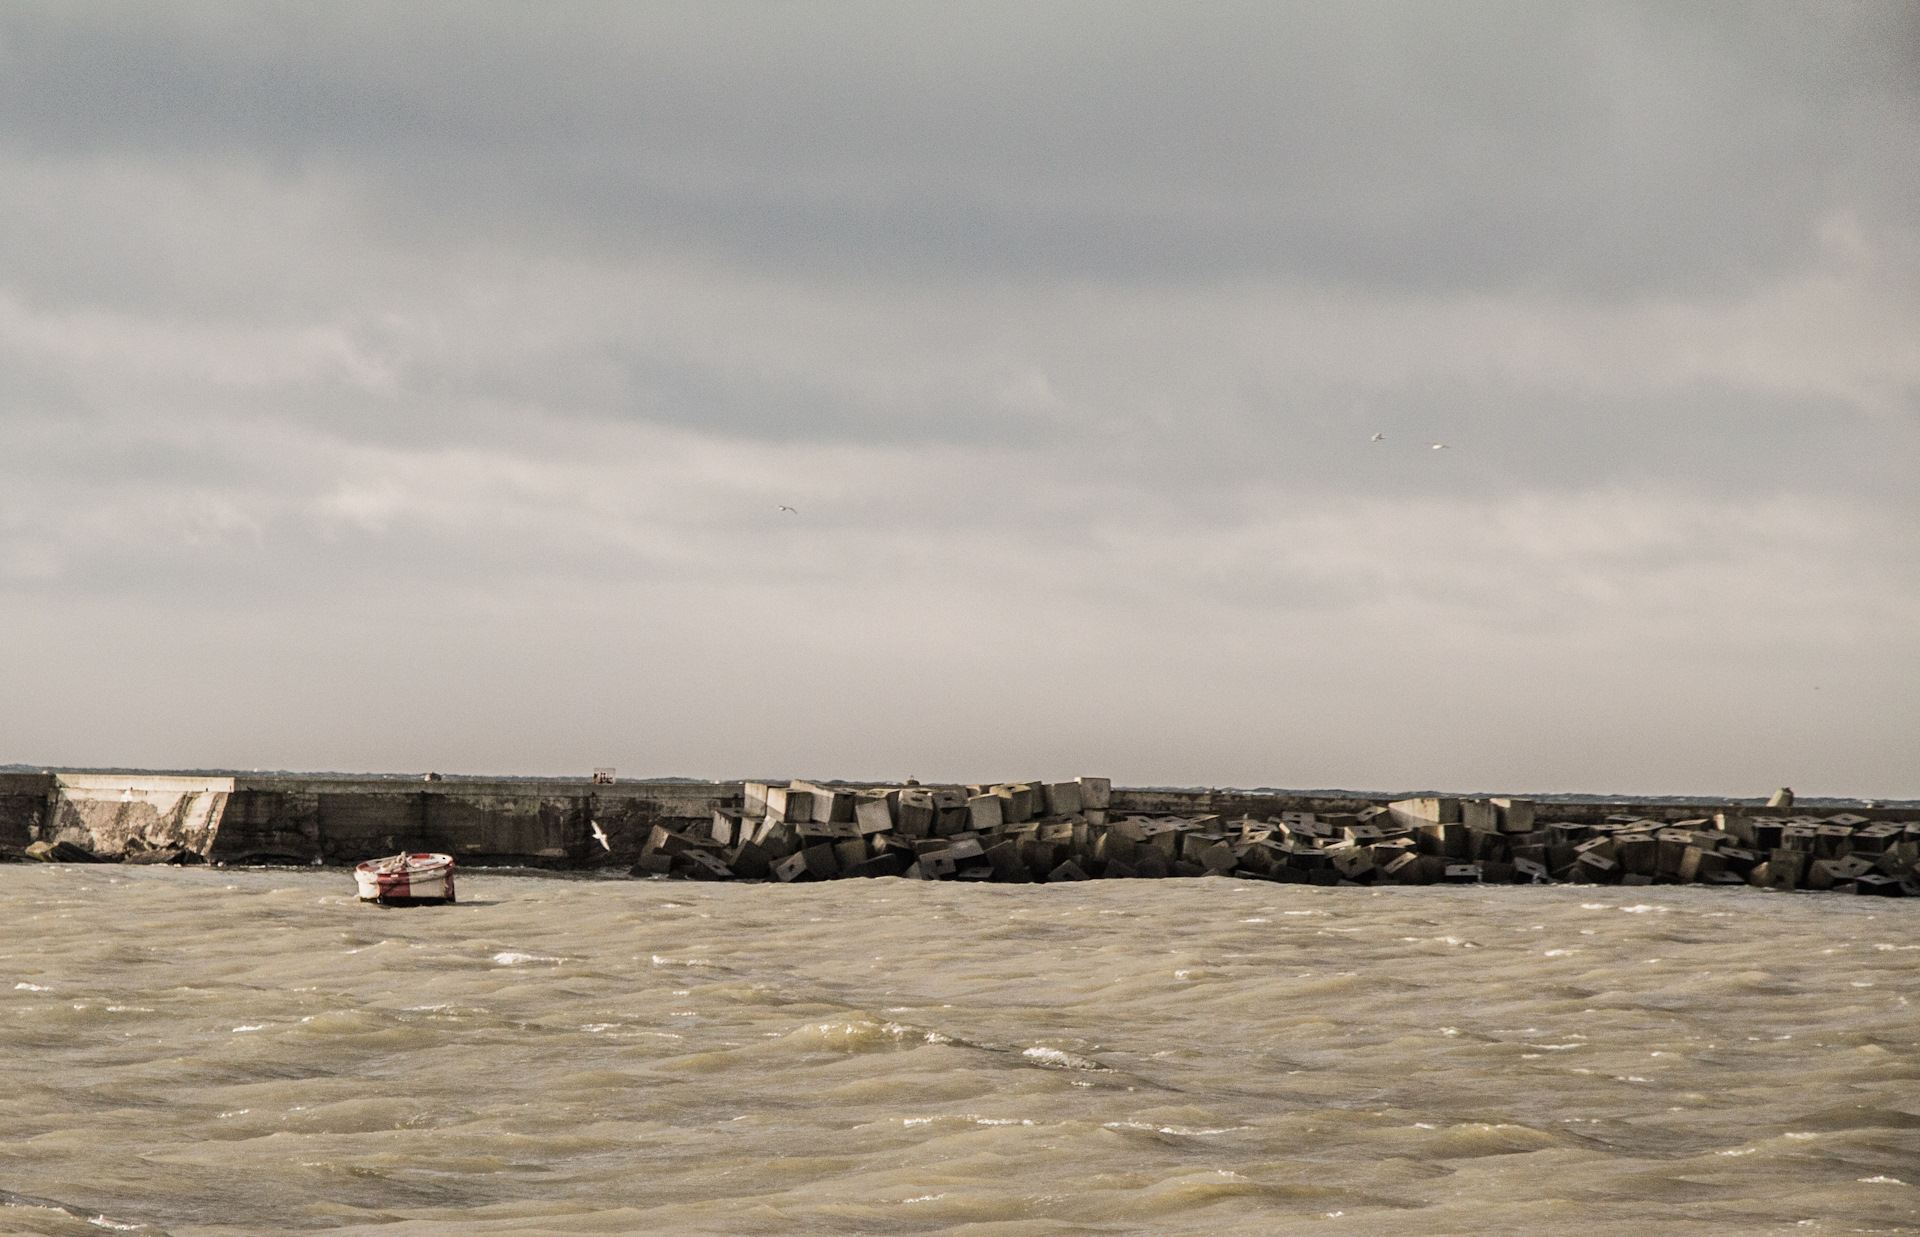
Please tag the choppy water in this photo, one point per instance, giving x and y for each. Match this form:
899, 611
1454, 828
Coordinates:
220, 1052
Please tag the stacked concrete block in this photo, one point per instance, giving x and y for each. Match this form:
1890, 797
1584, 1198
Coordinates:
1515, 815
1033, 831
1414, 812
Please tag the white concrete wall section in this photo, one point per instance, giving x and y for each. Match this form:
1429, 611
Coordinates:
106, 813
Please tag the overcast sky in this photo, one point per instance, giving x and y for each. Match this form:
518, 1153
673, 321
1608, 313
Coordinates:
394, 387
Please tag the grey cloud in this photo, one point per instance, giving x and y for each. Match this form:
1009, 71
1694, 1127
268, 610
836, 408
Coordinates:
1603, 150
367, 371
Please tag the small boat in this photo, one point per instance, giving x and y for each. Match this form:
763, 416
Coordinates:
406, 880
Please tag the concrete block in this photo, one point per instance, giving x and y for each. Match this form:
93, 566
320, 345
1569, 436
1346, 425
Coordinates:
1532, 871
1416, 812
666, 841
850, 853
1639, 855
1404, 870
1096, 794
1007, 864
1670, 848
793, 868
948, 821
873, 813
1699, 863
1480, 814
963, 849
1832, 842
985, 814
726, 826
1484, 844
1883, 886
1799, 837
1219, 857
938, 865
1462, 874
1515, 815
1874, 839
1789, 865
821, 861
1068, 871
701, 865
916, 813
1827, 873
1594, 868
1153, 863
1636, 878
1063, 798
654, 864
1256, 857
1017, 802
1446, 840
831, 805
789, 805
893, 863
1898, 859
777, 839
750, 862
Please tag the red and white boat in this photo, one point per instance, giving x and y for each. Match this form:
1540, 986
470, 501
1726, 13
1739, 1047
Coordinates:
406, 880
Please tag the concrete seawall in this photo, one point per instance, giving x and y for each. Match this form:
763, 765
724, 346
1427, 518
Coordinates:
526, 822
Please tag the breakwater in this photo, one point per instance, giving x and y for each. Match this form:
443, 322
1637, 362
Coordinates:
1008, 831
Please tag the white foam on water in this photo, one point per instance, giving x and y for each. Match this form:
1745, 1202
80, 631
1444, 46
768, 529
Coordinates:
1056, 1059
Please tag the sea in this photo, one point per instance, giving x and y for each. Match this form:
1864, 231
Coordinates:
207, 1051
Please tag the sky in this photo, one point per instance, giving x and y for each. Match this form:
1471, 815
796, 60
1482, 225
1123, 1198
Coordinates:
405, 387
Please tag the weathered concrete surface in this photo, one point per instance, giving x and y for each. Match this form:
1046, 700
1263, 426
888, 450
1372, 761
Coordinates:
107, 813
533, 823
23, 808
539, 822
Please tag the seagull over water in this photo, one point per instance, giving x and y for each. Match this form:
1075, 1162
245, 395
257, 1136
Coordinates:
600, 836
784, 507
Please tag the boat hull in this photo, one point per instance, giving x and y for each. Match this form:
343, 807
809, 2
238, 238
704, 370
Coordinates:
407, 880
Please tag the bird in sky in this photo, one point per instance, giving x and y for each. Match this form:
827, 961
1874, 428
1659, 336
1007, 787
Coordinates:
1438, 446
599, 835
784, 507
1379, 438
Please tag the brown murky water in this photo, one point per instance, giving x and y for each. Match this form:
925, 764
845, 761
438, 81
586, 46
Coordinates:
223, 1052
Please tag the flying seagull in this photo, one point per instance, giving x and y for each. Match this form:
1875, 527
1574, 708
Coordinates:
1379, 438
784, 507
600, 836
1438, 446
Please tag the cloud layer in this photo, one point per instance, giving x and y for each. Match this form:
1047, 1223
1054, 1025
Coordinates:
395, 389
